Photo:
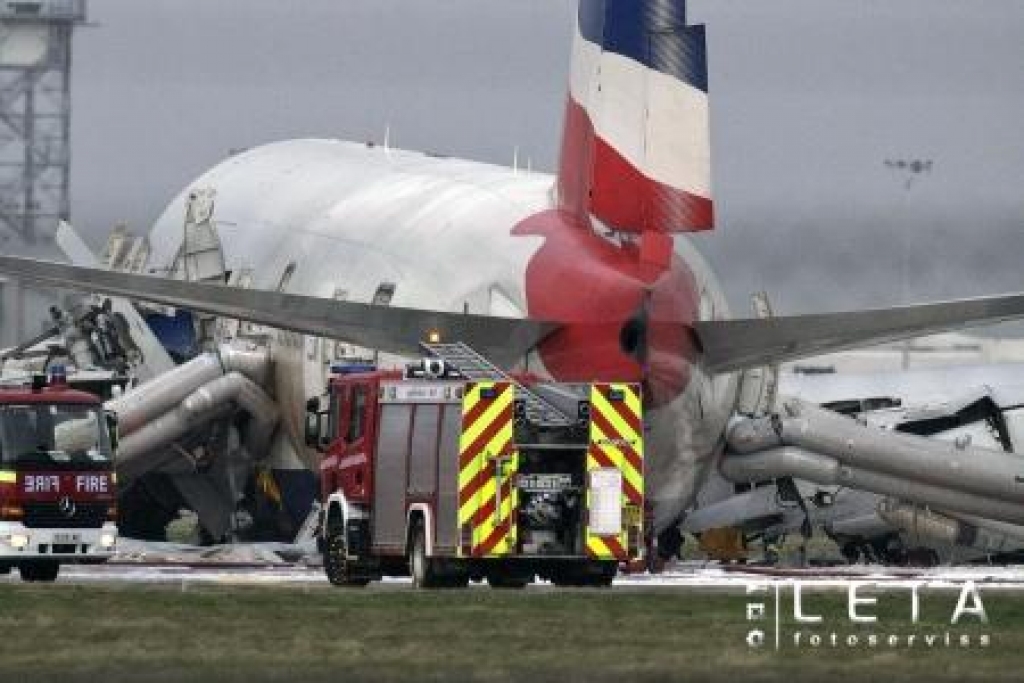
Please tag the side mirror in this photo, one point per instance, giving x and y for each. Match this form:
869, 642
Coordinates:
313, 405
313, 422
111, 420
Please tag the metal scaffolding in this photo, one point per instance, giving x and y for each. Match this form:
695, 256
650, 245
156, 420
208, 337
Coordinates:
35, 115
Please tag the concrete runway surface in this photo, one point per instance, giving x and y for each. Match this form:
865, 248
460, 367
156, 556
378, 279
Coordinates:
684, 576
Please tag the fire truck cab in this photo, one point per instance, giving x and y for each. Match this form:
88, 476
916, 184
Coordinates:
57, 484
432, 474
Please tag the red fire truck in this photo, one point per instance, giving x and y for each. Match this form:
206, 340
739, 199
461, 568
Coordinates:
453, 470
57, 483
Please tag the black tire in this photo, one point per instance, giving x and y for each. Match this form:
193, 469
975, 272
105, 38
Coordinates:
605, 575
42, 572
421, 568
563, 580
460, 581
507, 581
336, 564
595, 575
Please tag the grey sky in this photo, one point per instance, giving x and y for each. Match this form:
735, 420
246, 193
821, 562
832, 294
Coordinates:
808, 98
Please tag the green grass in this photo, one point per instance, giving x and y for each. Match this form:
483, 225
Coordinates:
162, 633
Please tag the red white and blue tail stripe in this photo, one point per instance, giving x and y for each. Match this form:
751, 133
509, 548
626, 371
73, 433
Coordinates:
636, 147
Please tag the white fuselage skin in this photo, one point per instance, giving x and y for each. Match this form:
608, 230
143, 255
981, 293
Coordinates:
352, 216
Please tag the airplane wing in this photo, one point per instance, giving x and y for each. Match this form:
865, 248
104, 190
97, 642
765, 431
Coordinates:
738, 344
389, 329
728, 345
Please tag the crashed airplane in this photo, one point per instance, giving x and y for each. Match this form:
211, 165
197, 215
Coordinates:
289, 262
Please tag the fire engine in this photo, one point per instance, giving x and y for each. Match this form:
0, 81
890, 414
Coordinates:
453, 470
57, 482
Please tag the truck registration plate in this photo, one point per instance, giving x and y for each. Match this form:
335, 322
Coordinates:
632, 515
65, 538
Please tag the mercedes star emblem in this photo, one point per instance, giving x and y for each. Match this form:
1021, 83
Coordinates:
66, 506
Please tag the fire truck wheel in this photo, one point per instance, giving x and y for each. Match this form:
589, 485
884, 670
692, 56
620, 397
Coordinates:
594, 575
457, 581
507, 581
45, 572
424, 574
606, 574
336, 564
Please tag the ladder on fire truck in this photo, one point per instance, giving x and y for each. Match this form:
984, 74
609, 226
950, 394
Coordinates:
474, 367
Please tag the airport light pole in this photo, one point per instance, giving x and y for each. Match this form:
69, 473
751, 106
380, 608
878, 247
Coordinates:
907, 172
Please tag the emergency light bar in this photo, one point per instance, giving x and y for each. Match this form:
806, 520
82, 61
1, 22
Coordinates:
352, 368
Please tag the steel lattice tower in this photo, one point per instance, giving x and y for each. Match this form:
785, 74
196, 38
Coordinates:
35, 115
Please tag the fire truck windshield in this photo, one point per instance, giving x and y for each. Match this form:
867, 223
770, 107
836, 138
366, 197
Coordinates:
53, 435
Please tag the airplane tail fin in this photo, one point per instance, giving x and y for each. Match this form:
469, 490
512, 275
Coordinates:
636, 145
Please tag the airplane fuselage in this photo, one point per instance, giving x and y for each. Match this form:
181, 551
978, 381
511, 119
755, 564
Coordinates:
353, 221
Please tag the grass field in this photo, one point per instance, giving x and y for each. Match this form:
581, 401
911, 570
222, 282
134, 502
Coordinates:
110, 634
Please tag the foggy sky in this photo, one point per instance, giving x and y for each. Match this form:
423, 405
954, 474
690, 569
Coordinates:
809, 97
